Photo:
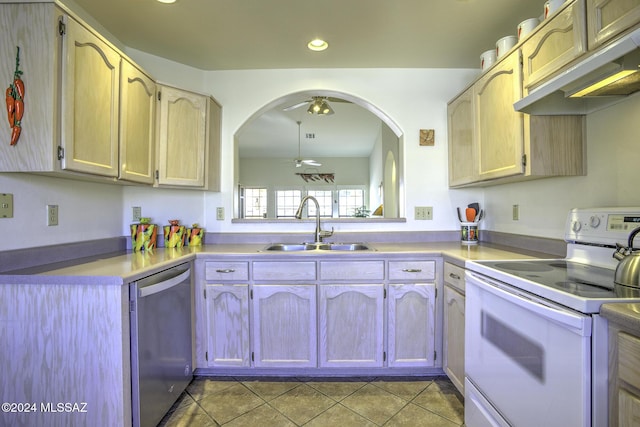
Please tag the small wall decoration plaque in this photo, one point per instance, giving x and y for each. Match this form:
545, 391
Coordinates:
427, 137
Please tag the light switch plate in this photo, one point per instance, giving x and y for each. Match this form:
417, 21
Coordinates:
6, 205
220, 213
424, 212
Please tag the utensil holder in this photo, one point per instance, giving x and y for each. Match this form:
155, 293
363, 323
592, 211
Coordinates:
469, 233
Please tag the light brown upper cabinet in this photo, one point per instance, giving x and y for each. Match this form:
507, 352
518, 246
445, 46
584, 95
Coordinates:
91, 113
608, 18
90, 102
88, 109
499, 129
462, 169
72, 96
503, 145
557, 42
137, 123
188, 139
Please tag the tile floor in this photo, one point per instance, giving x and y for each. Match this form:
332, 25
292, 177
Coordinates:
313, 402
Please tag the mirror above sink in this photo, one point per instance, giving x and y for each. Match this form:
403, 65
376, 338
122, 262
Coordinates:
356, 148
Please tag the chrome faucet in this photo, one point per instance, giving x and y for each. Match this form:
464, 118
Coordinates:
320, 233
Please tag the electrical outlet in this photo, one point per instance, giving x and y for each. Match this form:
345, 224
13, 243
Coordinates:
52, 215
220, 213
6, 205
136, 213
423, 212
516, 212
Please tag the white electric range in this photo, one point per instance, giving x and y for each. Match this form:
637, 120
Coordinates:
536, 349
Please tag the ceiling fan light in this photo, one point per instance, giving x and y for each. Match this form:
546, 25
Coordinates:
320, 106
317, 45
314, 108
325, 109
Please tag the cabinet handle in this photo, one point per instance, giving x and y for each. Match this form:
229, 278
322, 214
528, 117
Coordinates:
454, 276
412, 270
225, 270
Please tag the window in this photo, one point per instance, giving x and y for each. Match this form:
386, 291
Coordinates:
349, 200
342, 202
255, 205
325, 200
287, 202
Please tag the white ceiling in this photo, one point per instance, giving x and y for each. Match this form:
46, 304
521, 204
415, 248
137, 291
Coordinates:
273, 34
265, 34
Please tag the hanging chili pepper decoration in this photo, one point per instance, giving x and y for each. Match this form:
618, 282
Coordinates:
14, 98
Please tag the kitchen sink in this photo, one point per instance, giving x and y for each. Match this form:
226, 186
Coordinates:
349, 247
294, 247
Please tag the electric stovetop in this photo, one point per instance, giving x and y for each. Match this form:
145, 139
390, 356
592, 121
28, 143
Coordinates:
567, 276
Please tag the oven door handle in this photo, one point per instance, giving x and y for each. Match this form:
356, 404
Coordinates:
571, 321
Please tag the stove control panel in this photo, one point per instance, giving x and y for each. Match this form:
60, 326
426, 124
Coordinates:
601, 226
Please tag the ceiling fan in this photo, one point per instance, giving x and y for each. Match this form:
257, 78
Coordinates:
317, 105
299, 161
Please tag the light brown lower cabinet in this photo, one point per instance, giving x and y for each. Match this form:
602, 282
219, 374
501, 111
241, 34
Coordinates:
284, 326
317, 315
624, 378
453, 327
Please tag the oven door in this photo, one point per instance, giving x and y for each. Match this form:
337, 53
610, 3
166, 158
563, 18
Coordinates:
529, 358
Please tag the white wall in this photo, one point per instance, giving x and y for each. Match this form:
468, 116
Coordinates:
86, 211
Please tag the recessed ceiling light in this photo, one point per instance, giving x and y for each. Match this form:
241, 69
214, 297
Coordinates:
317, 45
167, 1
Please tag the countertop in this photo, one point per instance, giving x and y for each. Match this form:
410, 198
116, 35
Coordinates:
120, 268
626, 315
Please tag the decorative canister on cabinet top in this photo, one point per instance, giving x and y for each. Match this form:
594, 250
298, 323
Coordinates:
143, 235
195, 235
174, 234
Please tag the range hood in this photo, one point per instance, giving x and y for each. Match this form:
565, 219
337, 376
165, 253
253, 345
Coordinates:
606, 76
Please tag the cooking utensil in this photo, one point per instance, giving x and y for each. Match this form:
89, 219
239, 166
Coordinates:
628, 270
459, 215
480, 215
475, 206
471, 214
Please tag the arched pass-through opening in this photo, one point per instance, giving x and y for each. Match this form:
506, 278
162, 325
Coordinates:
266, 143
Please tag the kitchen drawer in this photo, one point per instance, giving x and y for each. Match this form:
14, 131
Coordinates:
454, 276
352, 270
628, 356
412, 270
216, 271
284, 270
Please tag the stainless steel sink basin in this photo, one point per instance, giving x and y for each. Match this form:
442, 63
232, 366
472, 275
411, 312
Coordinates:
293, 247
349, 247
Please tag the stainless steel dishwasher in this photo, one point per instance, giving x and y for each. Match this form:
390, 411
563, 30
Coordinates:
161, 346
